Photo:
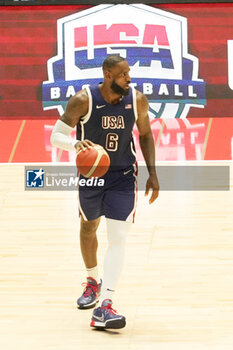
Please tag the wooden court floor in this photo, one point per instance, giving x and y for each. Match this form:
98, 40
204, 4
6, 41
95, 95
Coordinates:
176, 289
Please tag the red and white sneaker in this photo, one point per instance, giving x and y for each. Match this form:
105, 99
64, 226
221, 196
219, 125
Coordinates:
90, 294
105, 316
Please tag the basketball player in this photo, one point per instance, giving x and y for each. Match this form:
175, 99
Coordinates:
105, 115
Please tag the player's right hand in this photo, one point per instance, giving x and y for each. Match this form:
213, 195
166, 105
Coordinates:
82, 145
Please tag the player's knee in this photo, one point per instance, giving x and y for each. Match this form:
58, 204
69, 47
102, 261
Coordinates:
117, 231
118, 238
88, 229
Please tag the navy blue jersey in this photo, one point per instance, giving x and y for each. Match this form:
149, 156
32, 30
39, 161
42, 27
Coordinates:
111, 126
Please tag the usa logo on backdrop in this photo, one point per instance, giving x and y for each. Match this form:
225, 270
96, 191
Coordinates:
153, 41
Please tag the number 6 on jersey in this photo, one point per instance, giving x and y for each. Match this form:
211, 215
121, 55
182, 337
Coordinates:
112, 141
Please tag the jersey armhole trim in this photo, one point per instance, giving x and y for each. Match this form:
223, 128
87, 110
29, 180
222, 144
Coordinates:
135, 103
87, 116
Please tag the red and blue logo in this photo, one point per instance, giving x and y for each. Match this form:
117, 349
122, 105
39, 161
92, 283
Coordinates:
153, 41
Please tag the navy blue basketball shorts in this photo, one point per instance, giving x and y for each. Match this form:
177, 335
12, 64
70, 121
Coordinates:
116, 199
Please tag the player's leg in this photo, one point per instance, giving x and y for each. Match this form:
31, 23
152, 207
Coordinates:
105, 316
90, 208
89, 245
88, 242
117, 232
119, 204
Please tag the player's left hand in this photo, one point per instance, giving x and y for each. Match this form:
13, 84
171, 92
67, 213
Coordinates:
152, 184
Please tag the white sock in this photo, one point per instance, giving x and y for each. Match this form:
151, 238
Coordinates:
114, 258
105, 294
93, 273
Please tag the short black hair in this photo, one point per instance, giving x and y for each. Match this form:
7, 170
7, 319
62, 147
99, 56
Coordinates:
111, 60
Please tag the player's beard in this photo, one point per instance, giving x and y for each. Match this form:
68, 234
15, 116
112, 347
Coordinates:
118, 89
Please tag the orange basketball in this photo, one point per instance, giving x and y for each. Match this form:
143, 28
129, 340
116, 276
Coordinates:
93, 162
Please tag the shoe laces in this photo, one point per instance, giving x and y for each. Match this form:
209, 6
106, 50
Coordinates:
89, 288
110, 309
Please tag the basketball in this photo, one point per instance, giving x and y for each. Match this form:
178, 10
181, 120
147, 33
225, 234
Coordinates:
93, 162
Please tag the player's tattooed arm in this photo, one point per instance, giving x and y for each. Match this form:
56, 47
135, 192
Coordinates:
76, 108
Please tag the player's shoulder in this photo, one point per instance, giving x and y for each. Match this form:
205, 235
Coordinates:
81, 96
141, 100
79, 101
